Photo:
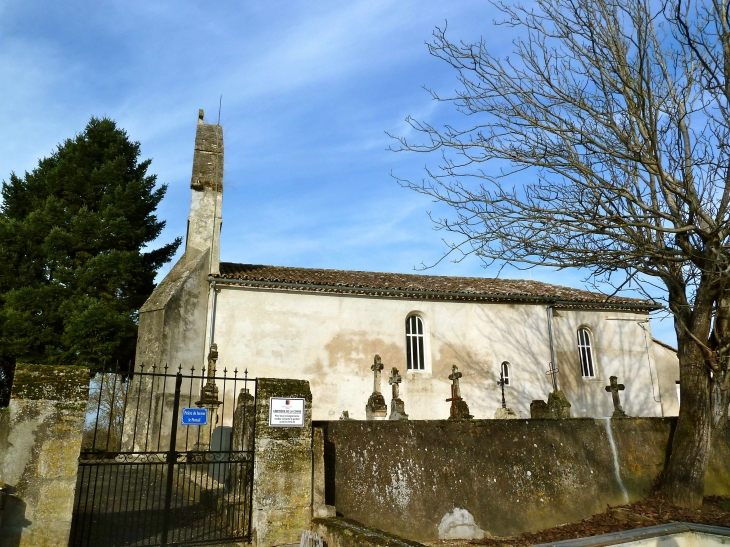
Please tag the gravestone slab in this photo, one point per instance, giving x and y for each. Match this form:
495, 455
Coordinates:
539, 409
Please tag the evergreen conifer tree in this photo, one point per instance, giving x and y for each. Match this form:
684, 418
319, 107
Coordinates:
73, 244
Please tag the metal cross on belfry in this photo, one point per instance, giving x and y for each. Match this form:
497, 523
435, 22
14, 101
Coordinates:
501, 384
553, 373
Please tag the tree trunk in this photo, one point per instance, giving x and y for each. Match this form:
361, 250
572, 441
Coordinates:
684, 476
720, 402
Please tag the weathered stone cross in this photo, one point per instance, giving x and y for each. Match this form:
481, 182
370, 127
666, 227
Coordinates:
614, 388
459, 408
397, 407
376, 407
454, 377
376, 367
394, 380
212, 360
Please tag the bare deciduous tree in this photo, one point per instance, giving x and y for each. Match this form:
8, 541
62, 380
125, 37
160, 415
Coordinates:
613, 116
105, 413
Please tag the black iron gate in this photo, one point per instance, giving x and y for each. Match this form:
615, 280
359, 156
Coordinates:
167, 459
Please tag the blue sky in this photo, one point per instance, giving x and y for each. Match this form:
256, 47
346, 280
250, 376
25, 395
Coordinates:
309, 90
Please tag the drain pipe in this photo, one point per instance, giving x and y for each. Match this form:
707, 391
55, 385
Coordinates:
553, 368
212, 320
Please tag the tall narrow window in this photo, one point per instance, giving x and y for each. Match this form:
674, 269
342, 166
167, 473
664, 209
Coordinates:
506, 373
585, 351
414, 343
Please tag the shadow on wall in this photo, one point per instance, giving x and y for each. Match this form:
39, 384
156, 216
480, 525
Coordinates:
522, 341
620, 348
12, 518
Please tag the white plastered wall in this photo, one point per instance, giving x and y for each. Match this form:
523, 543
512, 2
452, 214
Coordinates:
330, 340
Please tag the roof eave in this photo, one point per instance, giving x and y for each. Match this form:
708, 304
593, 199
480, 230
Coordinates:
486, 297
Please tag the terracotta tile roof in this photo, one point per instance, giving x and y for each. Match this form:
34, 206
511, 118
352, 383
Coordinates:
421, 286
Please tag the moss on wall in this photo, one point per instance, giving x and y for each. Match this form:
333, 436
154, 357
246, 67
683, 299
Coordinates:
512, 476
40, 439
51, 383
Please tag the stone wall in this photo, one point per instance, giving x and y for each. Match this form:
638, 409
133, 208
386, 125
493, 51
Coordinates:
507, 476
40, 439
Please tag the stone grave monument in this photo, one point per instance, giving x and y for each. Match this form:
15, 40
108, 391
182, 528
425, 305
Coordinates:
504, 413
614, 388
397, 407
376, 407
459, 408
209, 400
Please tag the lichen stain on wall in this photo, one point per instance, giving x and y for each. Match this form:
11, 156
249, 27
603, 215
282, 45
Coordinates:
401, 478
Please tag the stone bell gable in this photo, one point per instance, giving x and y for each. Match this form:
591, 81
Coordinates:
206, 182
173, 320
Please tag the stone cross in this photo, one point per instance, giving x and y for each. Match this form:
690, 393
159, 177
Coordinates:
394, 380
454, 377
614, 388
212, 359
376, 407
376, 367
209, 400
459, 408
397, 406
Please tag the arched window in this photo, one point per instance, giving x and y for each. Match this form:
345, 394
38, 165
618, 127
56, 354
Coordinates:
506, 373
585, 351
414, 343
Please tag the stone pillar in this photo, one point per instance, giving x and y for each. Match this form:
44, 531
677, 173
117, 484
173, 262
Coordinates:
40, 441
282, 488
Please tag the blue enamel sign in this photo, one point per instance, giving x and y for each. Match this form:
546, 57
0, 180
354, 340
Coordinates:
194, 416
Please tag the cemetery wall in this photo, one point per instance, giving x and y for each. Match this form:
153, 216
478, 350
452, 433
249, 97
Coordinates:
40, 440
408, 477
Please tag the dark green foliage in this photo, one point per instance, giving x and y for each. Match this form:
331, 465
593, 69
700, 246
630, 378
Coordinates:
72, 243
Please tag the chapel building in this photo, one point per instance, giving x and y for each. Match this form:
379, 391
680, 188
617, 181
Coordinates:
326, 326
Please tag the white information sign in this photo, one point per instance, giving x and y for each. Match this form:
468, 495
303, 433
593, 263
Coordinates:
284, 412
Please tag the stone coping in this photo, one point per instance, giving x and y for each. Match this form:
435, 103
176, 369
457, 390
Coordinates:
617, 538
52, 383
